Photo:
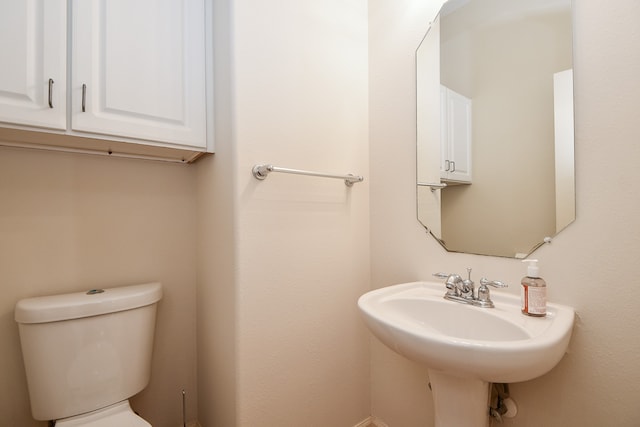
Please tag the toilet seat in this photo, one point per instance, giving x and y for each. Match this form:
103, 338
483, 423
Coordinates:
119, 414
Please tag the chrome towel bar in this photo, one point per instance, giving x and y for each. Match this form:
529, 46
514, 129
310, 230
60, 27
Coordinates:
261, 171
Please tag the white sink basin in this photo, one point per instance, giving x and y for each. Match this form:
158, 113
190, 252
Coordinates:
490, 344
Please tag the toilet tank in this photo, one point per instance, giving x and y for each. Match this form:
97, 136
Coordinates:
87, 350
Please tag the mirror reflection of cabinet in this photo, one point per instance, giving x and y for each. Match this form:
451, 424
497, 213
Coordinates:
455, 137
502, 54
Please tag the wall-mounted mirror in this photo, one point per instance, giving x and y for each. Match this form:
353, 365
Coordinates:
495, 162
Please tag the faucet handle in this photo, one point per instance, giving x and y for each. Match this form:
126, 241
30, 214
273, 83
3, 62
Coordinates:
495, 283
441, 275
484, 297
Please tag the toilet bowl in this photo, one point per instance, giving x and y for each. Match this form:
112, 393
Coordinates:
118, 415
87, 353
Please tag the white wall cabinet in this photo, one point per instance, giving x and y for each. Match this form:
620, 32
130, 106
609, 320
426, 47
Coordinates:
137, 77
455, 137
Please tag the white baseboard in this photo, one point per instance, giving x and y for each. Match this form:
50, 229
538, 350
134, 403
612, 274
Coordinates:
371, 421
364, 423
378, 422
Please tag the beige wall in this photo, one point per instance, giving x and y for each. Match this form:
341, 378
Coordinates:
281, 343
72, 222
598, 382
217, 271
280, 263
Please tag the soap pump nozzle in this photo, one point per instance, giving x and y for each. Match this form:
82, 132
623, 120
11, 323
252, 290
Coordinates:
532, 269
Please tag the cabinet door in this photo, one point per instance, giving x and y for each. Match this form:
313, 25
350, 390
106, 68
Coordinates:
459, 136
456, 136
138, 69
33, 79
445, 159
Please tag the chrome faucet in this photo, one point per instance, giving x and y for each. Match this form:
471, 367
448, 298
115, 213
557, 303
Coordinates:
462, 290
453, 283
456, 286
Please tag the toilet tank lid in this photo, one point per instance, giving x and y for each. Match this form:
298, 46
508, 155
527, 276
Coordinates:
87, 303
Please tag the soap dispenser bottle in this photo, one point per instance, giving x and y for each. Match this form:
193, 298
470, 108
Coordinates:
534, 291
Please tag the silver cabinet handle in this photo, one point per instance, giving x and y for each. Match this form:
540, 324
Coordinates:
453, 166
51, 93
447, 165
84, 97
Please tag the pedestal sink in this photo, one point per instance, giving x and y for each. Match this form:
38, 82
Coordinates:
466, 348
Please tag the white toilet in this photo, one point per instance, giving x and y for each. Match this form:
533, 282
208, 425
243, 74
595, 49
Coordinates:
87, 353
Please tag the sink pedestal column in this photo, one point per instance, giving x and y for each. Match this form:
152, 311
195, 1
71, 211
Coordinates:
459, 402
